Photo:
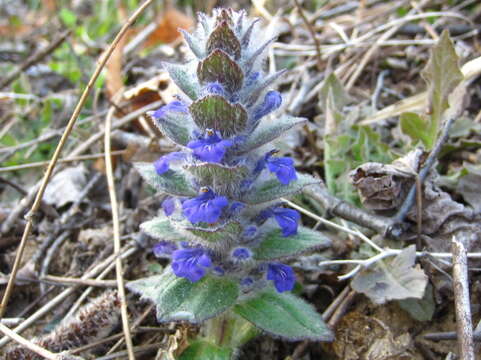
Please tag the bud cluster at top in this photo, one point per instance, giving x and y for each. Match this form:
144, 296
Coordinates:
225, 183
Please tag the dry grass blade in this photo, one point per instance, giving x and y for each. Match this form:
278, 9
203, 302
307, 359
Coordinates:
116, 226
58, 150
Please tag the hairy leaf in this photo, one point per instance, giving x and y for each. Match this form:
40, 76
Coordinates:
284, 315
160, 228
215, 112
179, 299
193, 43
176, 126
276, 246
218, 66
171, 182
223, 38
184, 79
270, 130
392, 279
272, 189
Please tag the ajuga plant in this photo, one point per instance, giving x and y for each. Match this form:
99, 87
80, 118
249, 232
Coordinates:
223, 223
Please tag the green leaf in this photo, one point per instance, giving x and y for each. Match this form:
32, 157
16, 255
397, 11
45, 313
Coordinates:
215, 112
417, 128
205, 350
284, 315
179, 299
176, 126
161, 228
420, 309
272, 189
184, 79
68, 17
224, 38
443, 75
269, 130
170, 182
218, 66
276, 246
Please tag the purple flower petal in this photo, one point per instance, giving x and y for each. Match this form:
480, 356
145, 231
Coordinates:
287, 219
190, 263
241, 253
168, 205
211, 148
282, 275
163, 248
283, 167
163, 163
215, 88
204, 208
271, 102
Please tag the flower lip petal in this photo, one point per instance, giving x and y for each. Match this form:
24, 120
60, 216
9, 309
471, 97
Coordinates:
207, 207
175, 106
168, 205
190, 263
282, 276
211, 148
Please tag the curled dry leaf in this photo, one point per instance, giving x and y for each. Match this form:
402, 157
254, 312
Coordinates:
383, 187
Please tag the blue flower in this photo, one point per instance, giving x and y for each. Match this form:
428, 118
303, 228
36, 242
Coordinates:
271, 102
163, 248
168, 205
286, 218
211, 148
163, 163
206, 207
282, 275
190, 263
241, 253
215, 88
283, 167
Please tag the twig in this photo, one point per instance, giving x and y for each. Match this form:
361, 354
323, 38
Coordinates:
11, 321
340, 208
461, 301
326, 315
366, 263
342, 308
423, 173
35, 58
66, 160
56, 155
52, 250
29, 345
116, 229
313, 35
449, 335
75, 281
137, 349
